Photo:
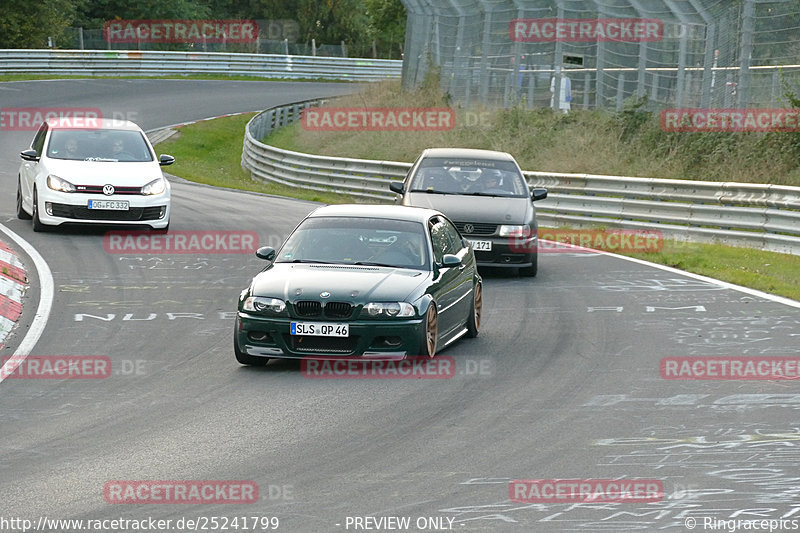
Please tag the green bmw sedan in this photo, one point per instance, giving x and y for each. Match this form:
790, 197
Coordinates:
359, 281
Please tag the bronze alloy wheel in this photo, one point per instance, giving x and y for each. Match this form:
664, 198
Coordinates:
474, 321
431, 330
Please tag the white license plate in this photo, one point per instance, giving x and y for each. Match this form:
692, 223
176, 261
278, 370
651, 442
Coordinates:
320, 329
481, 246
112, 205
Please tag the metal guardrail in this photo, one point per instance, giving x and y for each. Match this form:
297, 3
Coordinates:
741, 214
149, 63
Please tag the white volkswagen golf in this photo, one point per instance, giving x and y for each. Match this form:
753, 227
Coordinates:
92, 171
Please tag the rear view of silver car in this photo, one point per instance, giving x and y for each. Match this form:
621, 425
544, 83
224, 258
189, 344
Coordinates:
485, 194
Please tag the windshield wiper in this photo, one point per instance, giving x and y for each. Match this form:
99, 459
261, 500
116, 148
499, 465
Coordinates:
431, 191
371, 263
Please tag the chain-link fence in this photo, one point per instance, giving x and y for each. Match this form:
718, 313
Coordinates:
597, 53
272, 37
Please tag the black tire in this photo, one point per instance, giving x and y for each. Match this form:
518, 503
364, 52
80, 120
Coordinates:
37, 223
21, 213
475, 311
430, 333
530, 272
242, 357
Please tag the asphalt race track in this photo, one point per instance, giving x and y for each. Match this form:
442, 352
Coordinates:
562, 383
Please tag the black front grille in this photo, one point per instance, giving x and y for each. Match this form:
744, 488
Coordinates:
84, 213
479, 228
308, 308
314, 309
323, 345
338, 310
98, 189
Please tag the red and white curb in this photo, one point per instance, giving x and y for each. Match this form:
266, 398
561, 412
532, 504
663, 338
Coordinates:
12, 287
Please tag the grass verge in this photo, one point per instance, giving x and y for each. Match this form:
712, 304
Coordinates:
210, 152
770, 272
37, 77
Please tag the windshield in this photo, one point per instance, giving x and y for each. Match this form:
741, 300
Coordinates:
480, 177
98, 145
363, 241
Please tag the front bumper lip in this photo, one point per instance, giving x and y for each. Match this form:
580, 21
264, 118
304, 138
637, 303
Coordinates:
81, 200
507, 252
408, 330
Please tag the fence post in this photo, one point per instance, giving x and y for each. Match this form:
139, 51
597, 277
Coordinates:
748, 23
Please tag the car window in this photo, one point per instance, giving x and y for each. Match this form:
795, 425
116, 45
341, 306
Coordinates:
98, 145
38, 140
445, 239
487, 177
456, 243
357, 240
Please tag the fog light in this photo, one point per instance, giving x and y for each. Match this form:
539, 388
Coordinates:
163, 211
48, 208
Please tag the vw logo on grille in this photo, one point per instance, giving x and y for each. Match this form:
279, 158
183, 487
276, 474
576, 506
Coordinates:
469, 228
325, 294
108, 190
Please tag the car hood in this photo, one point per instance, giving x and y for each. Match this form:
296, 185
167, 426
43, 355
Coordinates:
356, 284
120, 174
459, 208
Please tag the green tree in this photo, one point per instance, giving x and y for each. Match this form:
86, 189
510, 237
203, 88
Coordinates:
96, 12
29, 24
387, 25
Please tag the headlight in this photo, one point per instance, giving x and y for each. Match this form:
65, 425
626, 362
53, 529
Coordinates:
58, 184
520, 231
259, 304
389, 309
157, 186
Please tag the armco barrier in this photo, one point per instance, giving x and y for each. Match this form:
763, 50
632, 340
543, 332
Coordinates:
149, 63
741, 214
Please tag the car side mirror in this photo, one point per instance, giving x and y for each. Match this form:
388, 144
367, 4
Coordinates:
538, 194
29, 155
450, 260
165, 160
397, 186
267, 253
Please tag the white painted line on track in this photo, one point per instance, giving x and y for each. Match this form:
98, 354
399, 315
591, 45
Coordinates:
46, 292
719, 283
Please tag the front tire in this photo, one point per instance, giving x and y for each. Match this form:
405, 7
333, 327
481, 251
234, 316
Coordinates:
430, 333
37, 223
530, 272
476, 311
21, 213
242, 357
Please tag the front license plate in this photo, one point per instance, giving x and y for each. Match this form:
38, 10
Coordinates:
320, 329
112, 205
481, 246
